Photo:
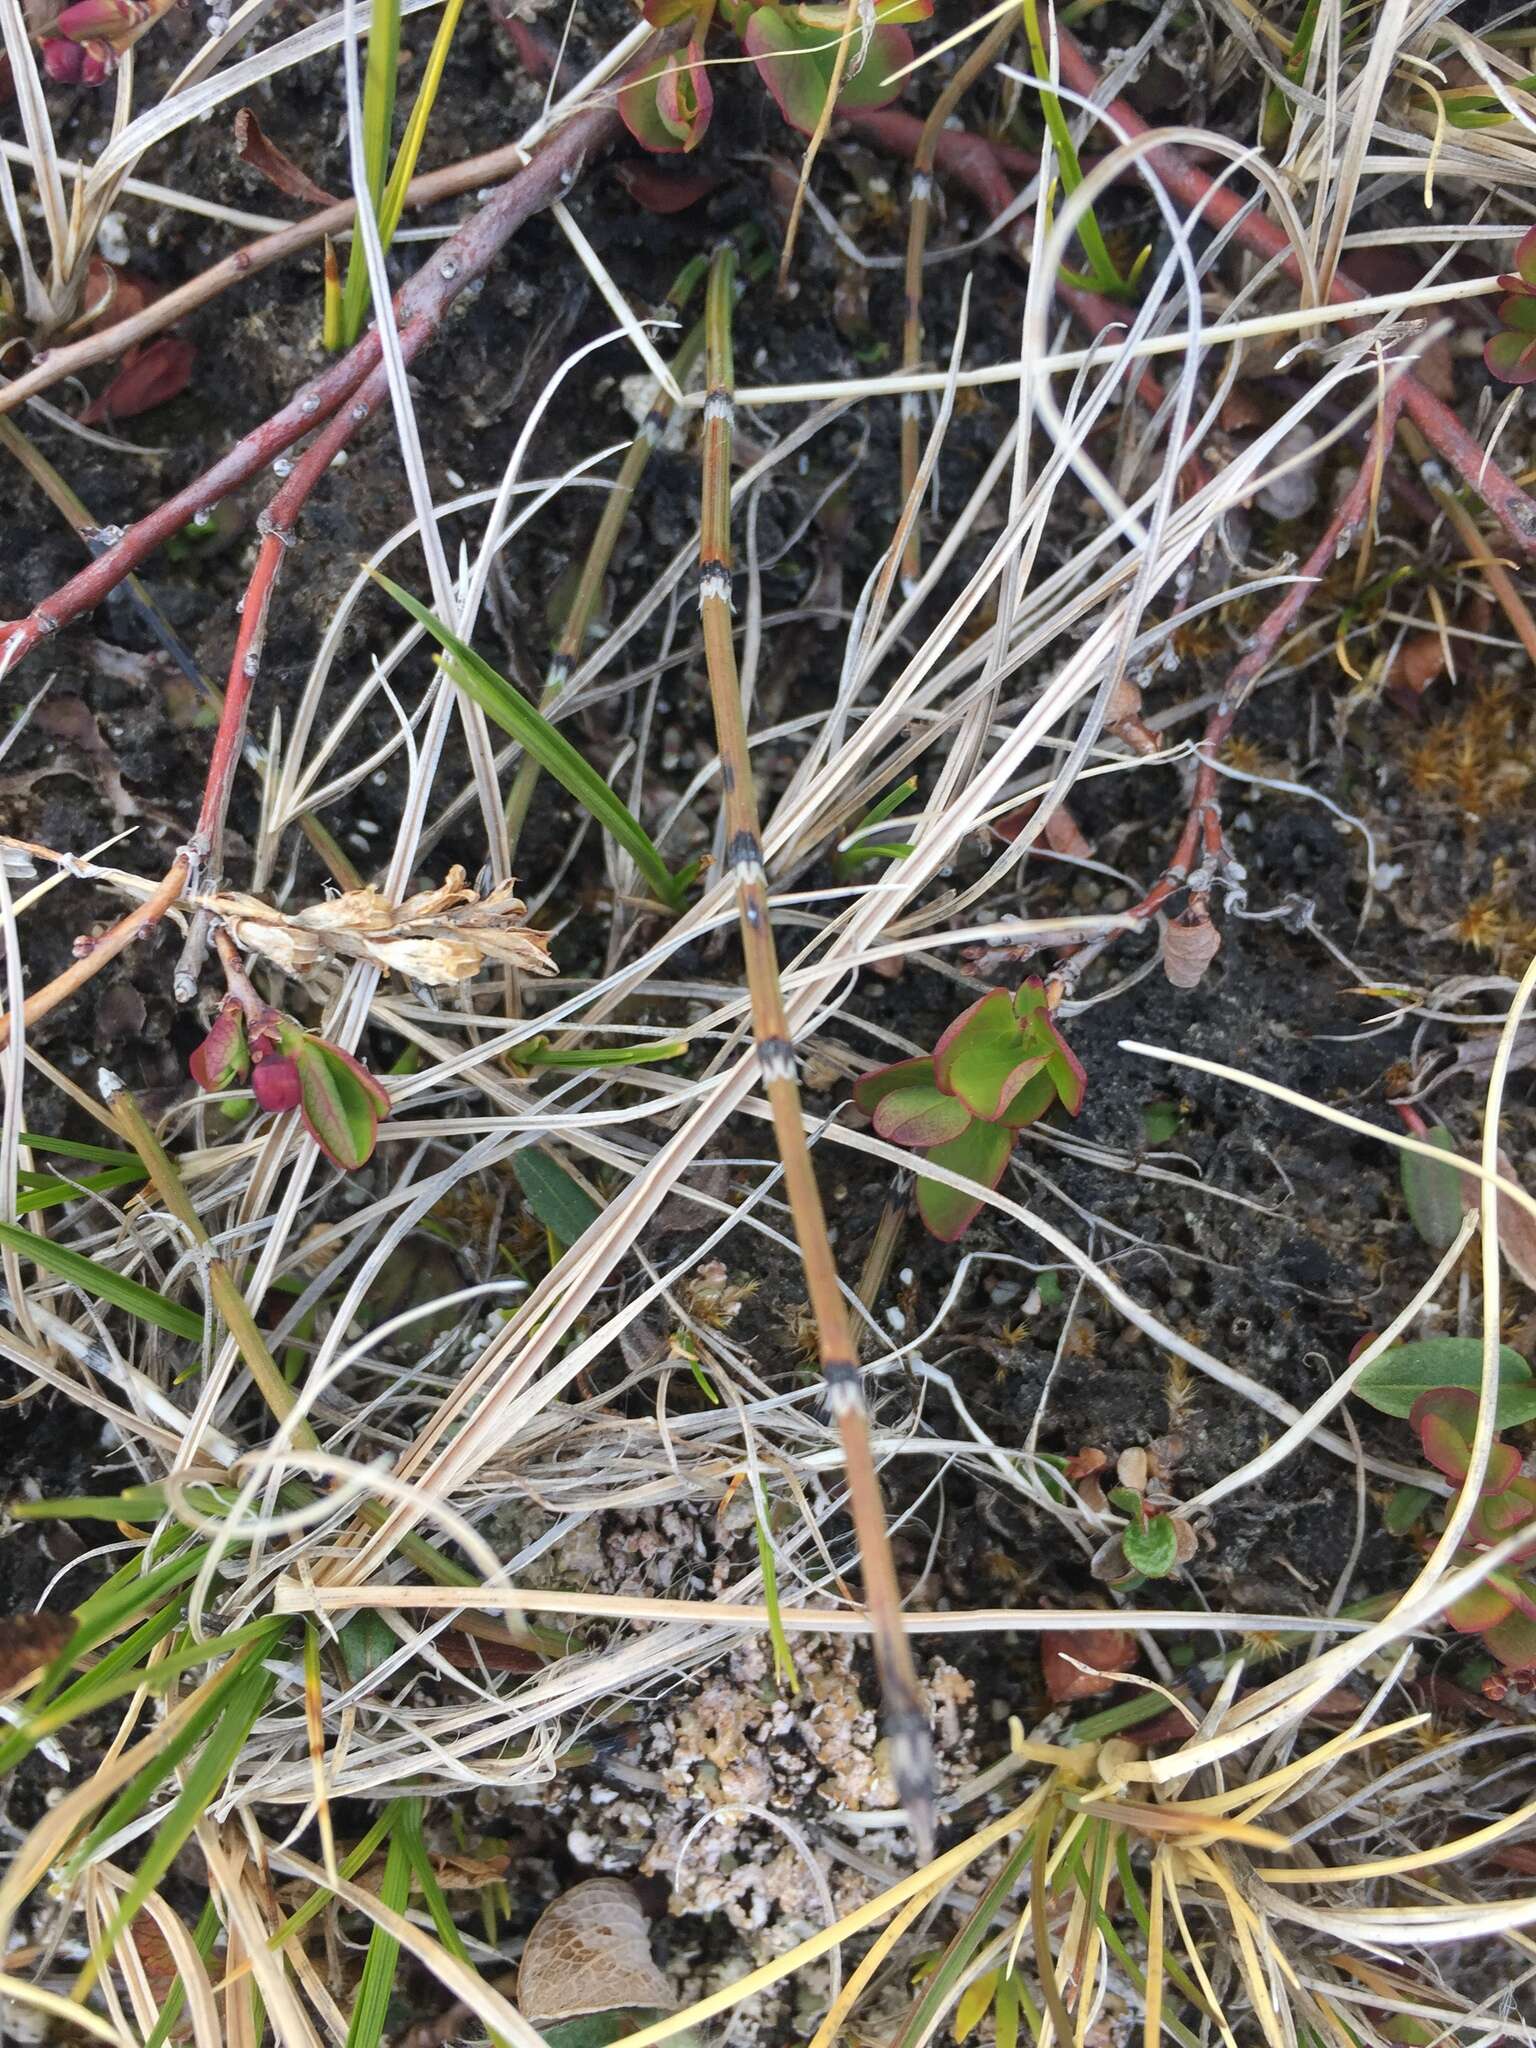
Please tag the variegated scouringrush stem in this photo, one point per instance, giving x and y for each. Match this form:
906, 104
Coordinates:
906, 1722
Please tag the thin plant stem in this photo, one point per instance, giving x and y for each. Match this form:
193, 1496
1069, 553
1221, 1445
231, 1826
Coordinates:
125, 1112
980, 60
589, 587
906, 1721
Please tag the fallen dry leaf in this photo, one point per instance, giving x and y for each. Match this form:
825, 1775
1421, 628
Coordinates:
439, 937
29, 1641
1190, 943
1103, 1652
1517, 1228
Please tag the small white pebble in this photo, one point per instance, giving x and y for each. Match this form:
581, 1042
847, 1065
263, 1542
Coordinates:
112, 239
896, 1320
906, 1276
454, 478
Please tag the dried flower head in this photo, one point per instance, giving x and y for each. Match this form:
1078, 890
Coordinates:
440, 937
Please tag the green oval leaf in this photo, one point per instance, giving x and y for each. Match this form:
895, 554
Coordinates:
1152, 1548
561, 1203
981, 1153
1432, 1191
920, 1116
1396, 1380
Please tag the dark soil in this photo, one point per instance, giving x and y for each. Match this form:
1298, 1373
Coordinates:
1282, 1286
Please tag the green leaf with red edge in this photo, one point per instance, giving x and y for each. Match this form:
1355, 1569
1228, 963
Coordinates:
1062, 1064
339, 1100
980, 1153
1511, 357
921, 1116
685, 98
871, 1089
1498, 1515
1066, 1071
1519, 312
1445, 1420
1483, 1608
875, 83
795, 60
1032, 1100
1513, 1641
1525, 258
985, 1057
640, 109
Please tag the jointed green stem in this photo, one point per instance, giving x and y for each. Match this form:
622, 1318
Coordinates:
906, 1721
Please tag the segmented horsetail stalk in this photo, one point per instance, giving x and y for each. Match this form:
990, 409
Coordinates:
589, 587
905, 1720
923, 159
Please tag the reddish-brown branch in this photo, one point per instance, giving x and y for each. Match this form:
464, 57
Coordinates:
51, 366
357, 383
458, 262
1219, 204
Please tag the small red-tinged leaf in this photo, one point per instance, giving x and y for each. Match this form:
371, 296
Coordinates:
1483, 1608
1032, 1100
984, 1056
1029, 1000
1519, 312
665, 191
981, 1153
1525, 259
275, 1084
1513, 1642
339, 1100
1432, 1191
1103, 1652
261, 153
789, 63
890, 51
639, 112
685, 98
871, 1089
921, 1116
70, 63
1511, 357
150, 376
224, 1056
1504, 1509
1066, 1071
1516, 1227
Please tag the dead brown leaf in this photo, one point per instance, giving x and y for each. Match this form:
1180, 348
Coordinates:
1102, 1652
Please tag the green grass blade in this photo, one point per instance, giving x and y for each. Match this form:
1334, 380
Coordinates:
370, 2012
354, 1860
943, 1985
72, 1148
393, 204
378, 120
1106, 278
783, 1658
103, 1284
238, 1703
550, 748
47, 1191
540, 1053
